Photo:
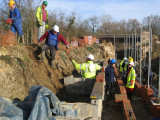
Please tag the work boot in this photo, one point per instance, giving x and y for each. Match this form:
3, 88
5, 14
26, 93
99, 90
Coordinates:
52, 63
22, 36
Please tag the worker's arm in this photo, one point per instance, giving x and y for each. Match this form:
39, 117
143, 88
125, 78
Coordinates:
133, 74
38, 13
76, 65
98, 67
62, 39
16, 15
44, 36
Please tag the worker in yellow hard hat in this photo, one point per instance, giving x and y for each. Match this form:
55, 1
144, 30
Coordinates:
15, 20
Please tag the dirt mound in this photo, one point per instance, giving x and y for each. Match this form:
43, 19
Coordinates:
20, 70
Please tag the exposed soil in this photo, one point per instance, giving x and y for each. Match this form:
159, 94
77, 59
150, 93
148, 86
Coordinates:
19, 68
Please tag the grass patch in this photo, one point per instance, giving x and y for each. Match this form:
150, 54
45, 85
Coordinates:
27, 59
90, 49
7, 59
63, 57
20, 62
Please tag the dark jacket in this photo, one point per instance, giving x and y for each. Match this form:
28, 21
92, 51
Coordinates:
15, 16
60, 38
109, 73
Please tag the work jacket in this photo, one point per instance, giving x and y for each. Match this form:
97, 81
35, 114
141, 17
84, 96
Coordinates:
39, 16
120, 66
15, 16
59, 37
109, 74
88, 68
131, 76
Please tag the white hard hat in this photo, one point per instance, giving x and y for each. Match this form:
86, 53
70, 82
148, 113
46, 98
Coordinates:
90, 56
125, 58
131, 63
56, 28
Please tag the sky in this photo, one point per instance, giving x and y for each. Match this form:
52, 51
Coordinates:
118, 9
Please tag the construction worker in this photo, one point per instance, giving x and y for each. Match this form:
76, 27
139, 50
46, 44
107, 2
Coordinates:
53, 37
15, 20
88, 68
123, 68
109, 77
131, 76
42, 18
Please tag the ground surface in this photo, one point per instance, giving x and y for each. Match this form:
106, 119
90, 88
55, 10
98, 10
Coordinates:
111, 112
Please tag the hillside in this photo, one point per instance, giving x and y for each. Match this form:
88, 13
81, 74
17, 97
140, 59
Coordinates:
20, 70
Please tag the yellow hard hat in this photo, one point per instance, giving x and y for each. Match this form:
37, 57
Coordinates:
130, 59
11, 2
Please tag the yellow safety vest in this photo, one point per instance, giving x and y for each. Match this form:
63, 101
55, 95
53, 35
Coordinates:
131, 76
121, 69
39, 16
88, 68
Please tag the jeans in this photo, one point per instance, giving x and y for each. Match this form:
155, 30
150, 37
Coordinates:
41, 30
17, 28
52, 51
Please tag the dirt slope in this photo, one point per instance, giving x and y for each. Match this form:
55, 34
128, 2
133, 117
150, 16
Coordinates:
19, 69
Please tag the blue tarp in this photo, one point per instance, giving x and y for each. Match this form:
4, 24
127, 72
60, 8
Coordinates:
41, 104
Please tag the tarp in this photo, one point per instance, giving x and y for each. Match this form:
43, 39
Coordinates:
41, 104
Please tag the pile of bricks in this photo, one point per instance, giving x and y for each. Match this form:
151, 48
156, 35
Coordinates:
7, 38
119, 98
138, 89
147, 93
128, 111
155, 110
100, 77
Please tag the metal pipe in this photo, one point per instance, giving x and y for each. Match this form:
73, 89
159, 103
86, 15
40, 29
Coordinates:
145, 51
132, 45
159, 81
115, 45
149, 52
124, 47
135, 46
129, 46
141, 56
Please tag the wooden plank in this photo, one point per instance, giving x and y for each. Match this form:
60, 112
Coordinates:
98, 90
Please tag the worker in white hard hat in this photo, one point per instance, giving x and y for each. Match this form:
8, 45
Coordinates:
131, 76
53, 37
89, 68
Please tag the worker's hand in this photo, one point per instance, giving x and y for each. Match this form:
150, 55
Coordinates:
40, 23
71, 58
9, 21
67, 47
39, 43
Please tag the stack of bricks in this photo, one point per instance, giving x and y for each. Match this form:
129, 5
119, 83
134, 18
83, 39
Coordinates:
155, 110
119, 82
147, 94
138, 89
119, 98
122, 89
100, 77
128, 111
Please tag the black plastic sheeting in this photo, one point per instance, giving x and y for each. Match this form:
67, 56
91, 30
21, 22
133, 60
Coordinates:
41, 104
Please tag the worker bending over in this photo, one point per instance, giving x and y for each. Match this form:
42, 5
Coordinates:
89, 68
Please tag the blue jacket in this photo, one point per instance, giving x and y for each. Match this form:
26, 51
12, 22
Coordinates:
15, 16
109, 74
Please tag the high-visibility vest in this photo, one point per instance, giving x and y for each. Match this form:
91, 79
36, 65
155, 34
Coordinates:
39, 16
131, 76
121, 69
88, 69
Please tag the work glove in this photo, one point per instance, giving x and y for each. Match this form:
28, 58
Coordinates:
40, 23
46, 26
9, 21
67, 47
71, 58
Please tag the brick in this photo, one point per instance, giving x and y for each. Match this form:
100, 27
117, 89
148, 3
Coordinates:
127, 107
100, 79
122, 89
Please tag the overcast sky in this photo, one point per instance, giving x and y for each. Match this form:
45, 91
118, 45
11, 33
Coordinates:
118, 9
